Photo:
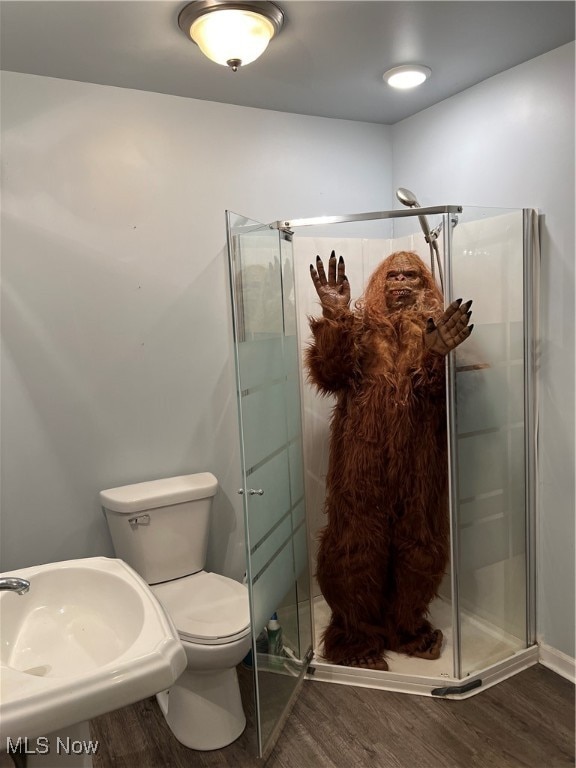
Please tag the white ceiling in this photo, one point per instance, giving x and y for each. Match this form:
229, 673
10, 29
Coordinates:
327, 61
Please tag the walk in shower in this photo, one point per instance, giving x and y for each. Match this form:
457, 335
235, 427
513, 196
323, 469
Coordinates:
485, 606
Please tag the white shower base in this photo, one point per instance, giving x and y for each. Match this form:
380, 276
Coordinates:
487, 654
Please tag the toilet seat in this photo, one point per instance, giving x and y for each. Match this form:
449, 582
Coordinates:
206, 608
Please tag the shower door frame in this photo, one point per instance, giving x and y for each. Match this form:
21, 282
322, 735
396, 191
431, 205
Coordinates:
531, 254
260, 530
528, 656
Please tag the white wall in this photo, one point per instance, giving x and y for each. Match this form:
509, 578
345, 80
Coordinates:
509, 142
116, 332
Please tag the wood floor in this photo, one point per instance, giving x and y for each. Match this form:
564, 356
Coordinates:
524, 722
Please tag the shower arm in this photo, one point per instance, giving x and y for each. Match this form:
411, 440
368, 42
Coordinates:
432, 244
432, 241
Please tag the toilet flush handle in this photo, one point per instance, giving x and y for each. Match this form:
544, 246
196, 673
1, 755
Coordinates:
252, 492
139, 520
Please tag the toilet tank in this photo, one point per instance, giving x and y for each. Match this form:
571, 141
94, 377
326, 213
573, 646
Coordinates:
160, 527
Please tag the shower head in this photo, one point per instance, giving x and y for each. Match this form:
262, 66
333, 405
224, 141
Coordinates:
407, 198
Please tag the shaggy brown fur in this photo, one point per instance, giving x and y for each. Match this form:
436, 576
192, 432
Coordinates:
385, 547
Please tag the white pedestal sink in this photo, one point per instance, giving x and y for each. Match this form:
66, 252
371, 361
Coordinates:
88, 637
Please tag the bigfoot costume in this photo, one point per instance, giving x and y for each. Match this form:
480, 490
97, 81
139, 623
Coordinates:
385, 547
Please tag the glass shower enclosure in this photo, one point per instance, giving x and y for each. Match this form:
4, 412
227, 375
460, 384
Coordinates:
485, 606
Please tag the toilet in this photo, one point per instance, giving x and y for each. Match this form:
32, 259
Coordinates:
160, 528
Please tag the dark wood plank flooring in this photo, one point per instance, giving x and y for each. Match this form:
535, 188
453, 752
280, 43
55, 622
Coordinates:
526, 721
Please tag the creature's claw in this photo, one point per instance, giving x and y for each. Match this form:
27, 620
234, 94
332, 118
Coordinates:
367, 662
334, 290
451, 330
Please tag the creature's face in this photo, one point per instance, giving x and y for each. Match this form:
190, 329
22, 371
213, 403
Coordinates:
401, 282
404, 282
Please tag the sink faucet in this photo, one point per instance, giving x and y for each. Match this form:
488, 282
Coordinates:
14, 584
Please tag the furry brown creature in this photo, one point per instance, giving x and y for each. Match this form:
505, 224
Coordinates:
385, 548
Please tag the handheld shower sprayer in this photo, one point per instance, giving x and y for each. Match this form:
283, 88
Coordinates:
408, 198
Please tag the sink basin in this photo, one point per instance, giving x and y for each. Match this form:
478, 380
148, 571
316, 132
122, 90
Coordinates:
88, 637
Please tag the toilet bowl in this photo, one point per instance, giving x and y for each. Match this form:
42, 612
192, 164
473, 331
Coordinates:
203, 708
160, 528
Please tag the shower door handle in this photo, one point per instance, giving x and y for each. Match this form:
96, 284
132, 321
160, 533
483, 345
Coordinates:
252, 492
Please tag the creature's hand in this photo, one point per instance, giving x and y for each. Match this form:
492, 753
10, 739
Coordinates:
334, 292
451, 330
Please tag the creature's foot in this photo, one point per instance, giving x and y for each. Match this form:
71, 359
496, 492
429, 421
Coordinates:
429, 646
366, 662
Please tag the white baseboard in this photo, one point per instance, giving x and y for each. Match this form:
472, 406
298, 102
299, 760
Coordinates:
558, 662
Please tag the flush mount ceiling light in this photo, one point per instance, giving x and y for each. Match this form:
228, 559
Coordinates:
406, 76
231, 33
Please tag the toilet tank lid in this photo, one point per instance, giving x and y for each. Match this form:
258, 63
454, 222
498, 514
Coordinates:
159, 493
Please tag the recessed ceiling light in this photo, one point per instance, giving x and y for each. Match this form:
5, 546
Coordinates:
407, 76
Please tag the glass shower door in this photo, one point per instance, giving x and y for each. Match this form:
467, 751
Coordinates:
491, 523
267, 368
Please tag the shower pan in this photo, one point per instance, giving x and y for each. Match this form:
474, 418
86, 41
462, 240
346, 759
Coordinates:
486, 604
